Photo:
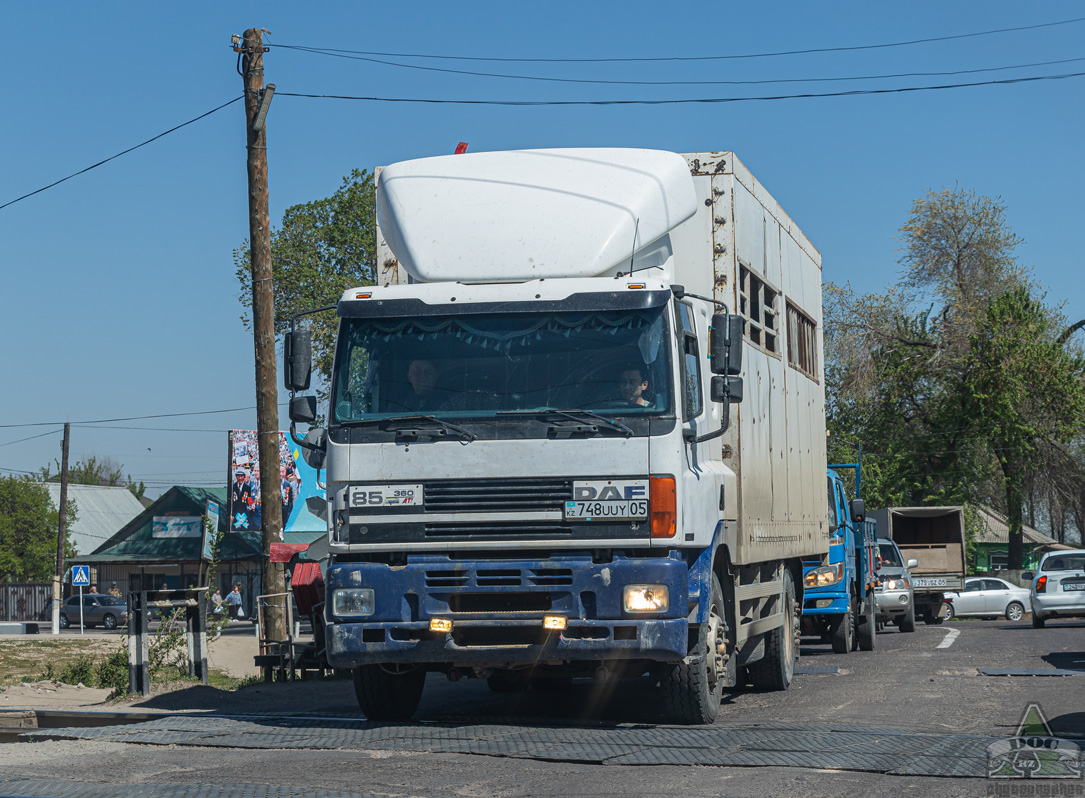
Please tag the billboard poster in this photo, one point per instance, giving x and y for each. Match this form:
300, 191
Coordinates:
296, 481
176, 526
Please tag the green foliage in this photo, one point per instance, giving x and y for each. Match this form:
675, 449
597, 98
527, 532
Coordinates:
28, 531
321, 249
92, 471
112, 672
958, 382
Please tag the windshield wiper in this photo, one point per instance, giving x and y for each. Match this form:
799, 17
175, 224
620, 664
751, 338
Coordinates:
422, 432
576, 414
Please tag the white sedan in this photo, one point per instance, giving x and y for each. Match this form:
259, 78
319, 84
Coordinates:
986, 596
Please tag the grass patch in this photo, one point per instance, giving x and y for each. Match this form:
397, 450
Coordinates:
32, 660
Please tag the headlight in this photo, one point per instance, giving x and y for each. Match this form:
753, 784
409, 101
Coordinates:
645, 598
353, 602
897, 584
824, 576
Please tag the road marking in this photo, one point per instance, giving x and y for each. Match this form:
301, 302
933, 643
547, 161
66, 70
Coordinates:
951, 635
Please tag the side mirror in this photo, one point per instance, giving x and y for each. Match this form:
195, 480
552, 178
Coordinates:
912, 563
303, 409
1028, 575
726, 389
315, 452
858, 510
297, 360
725, 343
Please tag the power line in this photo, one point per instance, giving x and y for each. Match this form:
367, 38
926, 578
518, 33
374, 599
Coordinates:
134, 418
119, 154
682, 82
32, 437
691, 58
701, 100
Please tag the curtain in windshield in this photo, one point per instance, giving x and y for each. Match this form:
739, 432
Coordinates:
611, 362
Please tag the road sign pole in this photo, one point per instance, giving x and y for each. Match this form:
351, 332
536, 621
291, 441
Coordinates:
80, 609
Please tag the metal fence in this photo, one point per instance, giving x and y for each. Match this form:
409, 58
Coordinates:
25, 601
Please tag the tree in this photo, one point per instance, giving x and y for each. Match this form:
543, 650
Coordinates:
321, 249
1024, 391
933, 376
28, 531
94, 471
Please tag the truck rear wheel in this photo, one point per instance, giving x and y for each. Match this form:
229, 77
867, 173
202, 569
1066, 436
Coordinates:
777, 668
692, 691
842, 633
867, 631
388, 695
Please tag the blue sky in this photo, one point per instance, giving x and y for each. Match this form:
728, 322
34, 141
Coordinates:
119, 285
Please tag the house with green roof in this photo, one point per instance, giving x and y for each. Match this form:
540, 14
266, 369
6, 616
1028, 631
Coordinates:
163, 547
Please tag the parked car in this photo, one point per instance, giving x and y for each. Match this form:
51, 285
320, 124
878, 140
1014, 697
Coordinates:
98, 608
1058, 587
894, 596
989, 597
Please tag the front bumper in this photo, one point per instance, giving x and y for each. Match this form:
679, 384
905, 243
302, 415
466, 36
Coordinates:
893, 602
823, 601
497, 608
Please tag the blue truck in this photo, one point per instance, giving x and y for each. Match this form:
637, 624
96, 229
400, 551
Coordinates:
838, 598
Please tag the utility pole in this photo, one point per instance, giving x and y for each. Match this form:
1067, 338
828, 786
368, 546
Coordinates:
263, 321
62, 529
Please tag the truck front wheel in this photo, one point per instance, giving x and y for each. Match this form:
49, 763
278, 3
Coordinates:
843, 630
776, 670
867, 632
388, 695
692, 691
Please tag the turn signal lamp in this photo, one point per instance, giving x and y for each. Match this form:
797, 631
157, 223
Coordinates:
1041, 584
662, 507
362, 296
554, 623
440, 625
635, 286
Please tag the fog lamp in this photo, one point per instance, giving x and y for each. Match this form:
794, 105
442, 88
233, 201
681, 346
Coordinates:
555, 623
440, 625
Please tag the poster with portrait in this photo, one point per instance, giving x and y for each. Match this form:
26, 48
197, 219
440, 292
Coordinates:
295, 482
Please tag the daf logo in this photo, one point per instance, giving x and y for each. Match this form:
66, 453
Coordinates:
608, 492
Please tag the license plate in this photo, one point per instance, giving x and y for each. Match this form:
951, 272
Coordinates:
1073, 585
607, 510
385, 496
928, 583
608, 500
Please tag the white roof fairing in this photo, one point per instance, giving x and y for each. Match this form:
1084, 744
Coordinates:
529, 214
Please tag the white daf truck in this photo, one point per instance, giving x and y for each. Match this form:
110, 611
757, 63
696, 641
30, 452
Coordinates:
578, 428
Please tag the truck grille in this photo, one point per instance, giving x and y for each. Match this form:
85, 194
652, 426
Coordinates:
470, 529
499, 577
497, 495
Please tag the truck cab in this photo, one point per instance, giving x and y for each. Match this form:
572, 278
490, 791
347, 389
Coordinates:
839, 596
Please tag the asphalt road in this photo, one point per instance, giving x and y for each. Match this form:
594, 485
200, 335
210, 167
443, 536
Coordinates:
914, 692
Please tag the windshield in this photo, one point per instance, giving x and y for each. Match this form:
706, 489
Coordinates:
109, 601
1065, 562
889, 555
482, 366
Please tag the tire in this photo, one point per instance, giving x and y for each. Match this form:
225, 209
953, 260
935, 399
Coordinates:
692, 692
109, 621
508, 681
64, 621
1015, 611
1038, 621
949, 610
931, 619
776, 670
842, 634
907, 620
388, 696
867, 633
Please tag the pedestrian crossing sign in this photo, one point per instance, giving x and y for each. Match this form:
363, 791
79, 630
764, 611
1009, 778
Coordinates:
81, 576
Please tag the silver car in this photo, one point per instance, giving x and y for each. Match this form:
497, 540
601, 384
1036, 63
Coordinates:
893, 592
988, 597
1058, 587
